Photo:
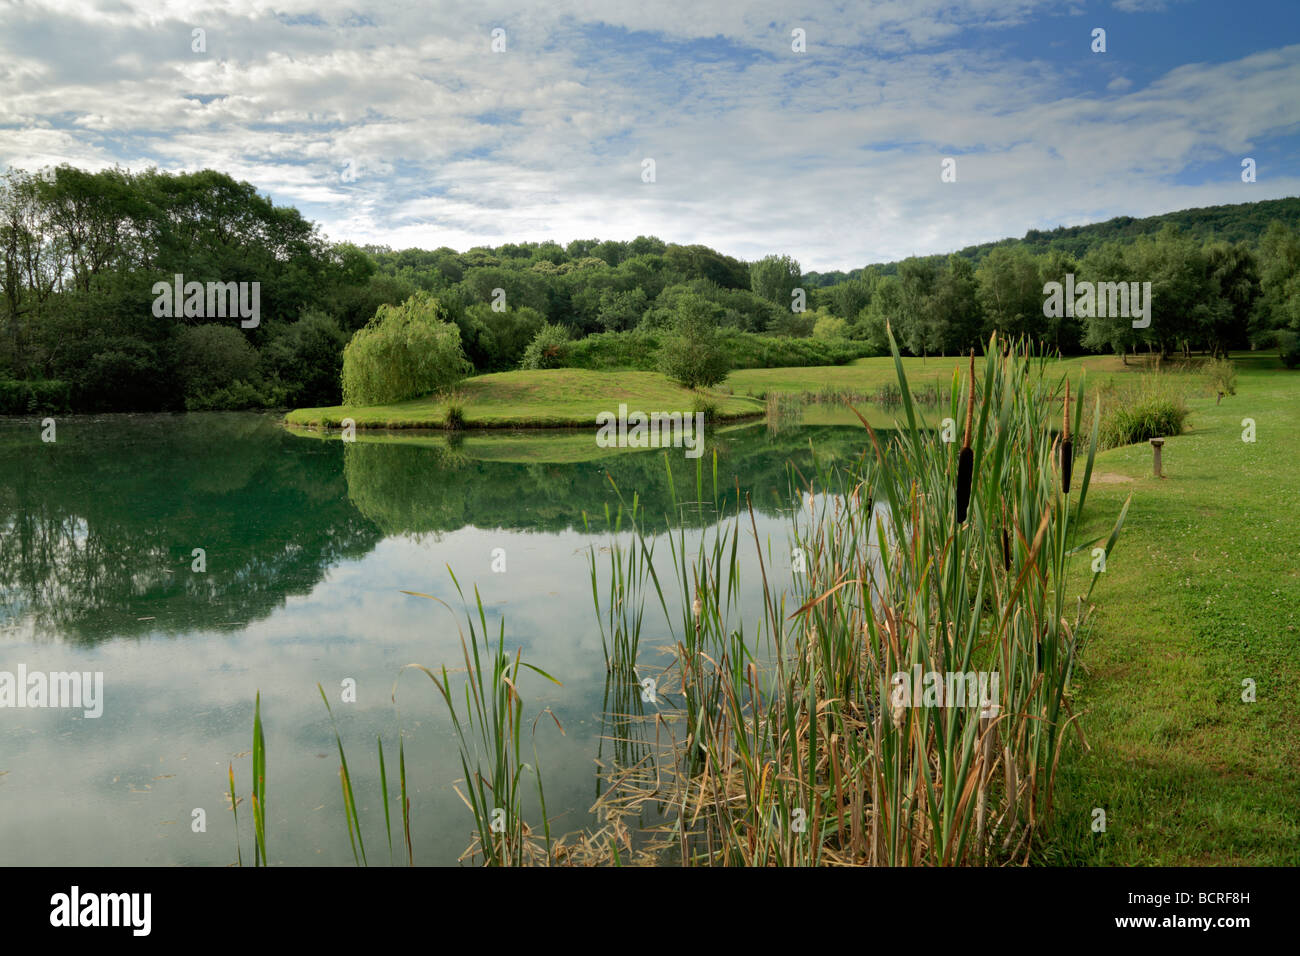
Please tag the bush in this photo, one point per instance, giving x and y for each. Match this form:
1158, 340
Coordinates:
237, 395
34, 397
547, 349
692, 354
455, 412
404, 352
1221, 374
1288, 348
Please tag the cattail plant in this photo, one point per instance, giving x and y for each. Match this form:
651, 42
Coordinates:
1067, 446
966, 460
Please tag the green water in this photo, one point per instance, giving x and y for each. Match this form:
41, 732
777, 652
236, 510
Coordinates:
308, 544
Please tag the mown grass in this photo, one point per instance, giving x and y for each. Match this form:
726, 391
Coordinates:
866, 375
1202, 594
550, 398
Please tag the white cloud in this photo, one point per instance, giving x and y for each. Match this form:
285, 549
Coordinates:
832, 155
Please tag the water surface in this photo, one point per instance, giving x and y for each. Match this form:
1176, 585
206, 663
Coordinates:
308, 544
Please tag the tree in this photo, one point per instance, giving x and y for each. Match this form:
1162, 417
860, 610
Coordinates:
403, 352
847, 299
1107, 263
775, 278
830, 327
620, 311
920, 328
305, 359
955, 307
692, 353
883, 312
1234, 273
1279, 280
1181, 289
210, 359
1010, 292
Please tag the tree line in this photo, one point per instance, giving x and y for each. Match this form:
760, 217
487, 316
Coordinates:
81, 254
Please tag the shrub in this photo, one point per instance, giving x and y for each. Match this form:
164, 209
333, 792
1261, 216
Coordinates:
1288, 348
1221, 374
403, 352
692, 354
455, 419
34, 397
547, 349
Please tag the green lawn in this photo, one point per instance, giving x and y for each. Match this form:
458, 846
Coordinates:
554, 398
867, 374
1201, 593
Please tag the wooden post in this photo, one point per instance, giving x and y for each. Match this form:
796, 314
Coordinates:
1156, 470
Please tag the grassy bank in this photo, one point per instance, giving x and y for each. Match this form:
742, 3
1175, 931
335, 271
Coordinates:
571, 397
1202, 593
553, 398
869, 374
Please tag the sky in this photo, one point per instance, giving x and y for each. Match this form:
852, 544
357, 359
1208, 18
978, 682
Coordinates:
399, 124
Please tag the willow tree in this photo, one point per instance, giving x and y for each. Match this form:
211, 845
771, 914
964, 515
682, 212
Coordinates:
403, 352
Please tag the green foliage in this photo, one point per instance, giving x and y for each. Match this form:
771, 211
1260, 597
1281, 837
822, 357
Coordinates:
215, 366
403, 352
34, 396
1288, 347
496, 341
304, 359
1222, 375
547, 348
775, 278
830, 327
80, 251
692, 353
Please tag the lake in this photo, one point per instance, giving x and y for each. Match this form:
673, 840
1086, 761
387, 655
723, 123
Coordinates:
307, 545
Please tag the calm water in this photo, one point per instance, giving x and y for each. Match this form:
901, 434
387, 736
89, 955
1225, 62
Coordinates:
309, 543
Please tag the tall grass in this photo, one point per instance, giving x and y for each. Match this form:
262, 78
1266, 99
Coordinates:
1145, 406
792, 744
489, 731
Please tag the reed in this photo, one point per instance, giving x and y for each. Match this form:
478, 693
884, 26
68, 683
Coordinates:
792, 744
489, 731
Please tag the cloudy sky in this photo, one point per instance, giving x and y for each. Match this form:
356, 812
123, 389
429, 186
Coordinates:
398, 123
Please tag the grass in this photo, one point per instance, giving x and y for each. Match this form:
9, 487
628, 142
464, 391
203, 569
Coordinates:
550, 398
867, 375
1203, 594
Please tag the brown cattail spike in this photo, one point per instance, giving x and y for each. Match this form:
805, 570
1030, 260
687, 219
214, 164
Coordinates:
1067, 446
966, 460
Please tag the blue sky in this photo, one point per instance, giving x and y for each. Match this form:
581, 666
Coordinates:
397, 124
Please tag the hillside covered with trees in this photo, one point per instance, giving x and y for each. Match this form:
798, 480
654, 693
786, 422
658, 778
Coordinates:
83, 255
